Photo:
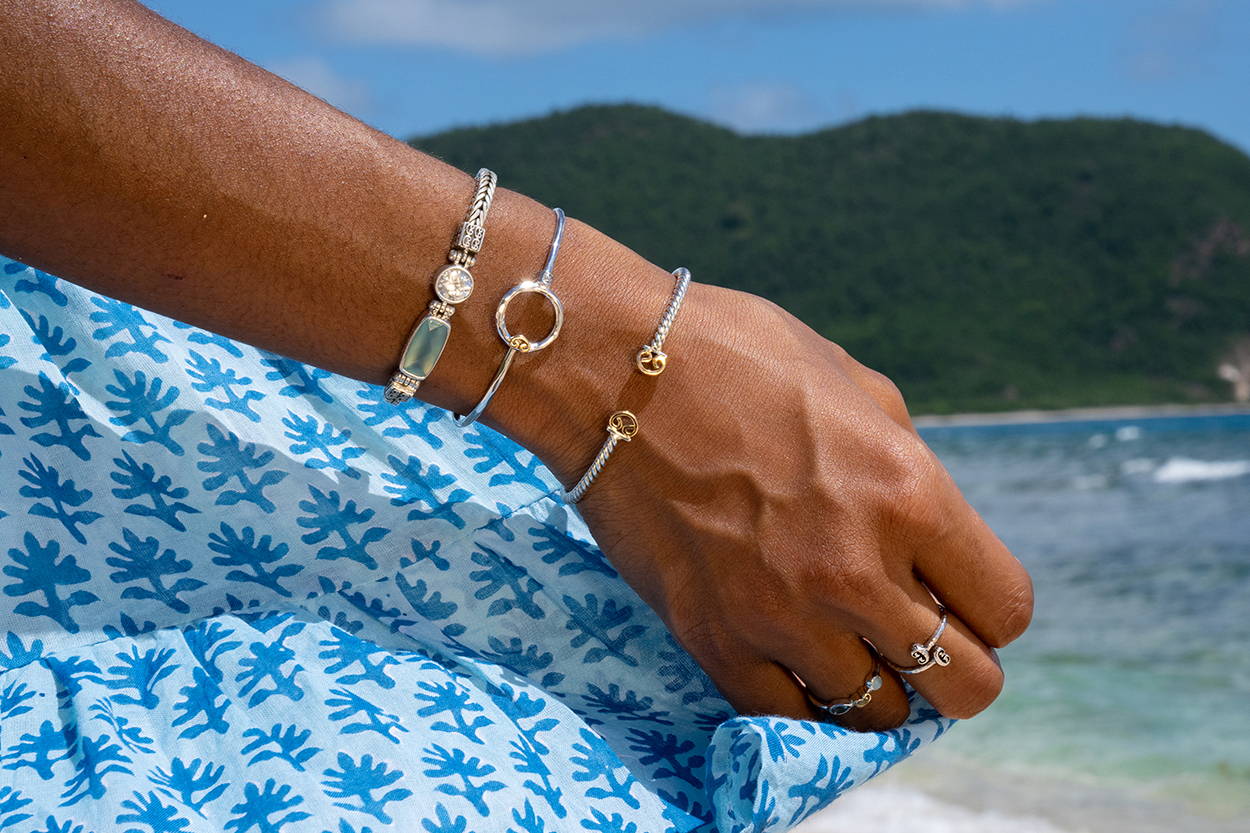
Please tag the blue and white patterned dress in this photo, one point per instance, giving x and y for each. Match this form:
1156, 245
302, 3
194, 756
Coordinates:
245, 594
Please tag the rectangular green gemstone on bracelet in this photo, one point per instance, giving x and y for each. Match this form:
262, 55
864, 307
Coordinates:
425, 345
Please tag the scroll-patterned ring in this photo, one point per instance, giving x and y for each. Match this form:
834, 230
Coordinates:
927, 654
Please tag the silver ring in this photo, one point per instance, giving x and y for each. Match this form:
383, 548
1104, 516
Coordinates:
858, 700
929, 653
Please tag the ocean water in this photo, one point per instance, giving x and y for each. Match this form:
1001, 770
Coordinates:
1127, 703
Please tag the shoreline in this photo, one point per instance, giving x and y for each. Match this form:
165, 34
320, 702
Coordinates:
1107, 412
941, 792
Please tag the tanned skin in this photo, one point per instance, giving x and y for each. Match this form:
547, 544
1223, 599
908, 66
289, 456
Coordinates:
777, 507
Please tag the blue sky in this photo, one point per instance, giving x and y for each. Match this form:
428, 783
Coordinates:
410, 67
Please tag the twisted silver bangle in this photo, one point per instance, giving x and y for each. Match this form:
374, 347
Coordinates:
520, 343
622, 426
650, 360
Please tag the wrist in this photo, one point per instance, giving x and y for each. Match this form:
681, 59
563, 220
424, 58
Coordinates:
554, 402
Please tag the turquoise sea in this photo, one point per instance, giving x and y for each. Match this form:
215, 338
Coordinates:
1127, 703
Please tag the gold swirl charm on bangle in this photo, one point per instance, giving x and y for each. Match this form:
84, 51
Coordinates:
651, 360
623, 425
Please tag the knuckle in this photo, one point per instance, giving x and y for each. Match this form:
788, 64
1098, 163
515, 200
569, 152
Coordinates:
1016, 612
840, 353
885, 389
974, 695
912, 495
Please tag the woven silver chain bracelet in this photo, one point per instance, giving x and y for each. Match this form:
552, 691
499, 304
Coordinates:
453, 284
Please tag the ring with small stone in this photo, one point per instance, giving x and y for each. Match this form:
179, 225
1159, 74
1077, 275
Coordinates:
858, 700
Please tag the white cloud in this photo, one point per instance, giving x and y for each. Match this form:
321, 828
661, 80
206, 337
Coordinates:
520, 27
317, 77
765, 106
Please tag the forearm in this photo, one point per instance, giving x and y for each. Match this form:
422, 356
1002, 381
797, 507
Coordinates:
152, 166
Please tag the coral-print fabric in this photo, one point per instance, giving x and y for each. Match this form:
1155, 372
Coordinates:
245, 594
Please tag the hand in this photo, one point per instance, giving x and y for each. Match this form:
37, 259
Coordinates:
777, 505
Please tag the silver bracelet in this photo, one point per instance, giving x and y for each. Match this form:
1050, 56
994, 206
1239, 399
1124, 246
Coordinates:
453, 284
520, 343
650, 360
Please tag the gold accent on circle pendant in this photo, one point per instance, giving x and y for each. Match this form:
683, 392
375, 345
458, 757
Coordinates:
651, 361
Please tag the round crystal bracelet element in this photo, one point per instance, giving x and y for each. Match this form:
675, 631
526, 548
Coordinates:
521, 343
453, 284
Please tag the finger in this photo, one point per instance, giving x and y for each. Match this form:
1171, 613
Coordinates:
970, 681
977, 577
754, 684
836, 665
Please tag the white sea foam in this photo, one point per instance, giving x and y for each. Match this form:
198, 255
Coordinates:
1128, 432
893, 809
1138, 465
1185, 469
1085, 482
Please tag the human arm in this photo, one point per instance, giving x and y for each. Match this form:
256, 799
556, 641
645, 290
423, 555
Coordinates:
777, 501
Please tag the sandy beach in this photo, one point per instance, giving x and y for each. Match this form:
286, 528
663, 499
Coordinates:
937, 792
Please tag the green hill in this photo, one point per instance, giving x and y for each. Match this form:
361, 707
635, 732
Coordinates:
982, 263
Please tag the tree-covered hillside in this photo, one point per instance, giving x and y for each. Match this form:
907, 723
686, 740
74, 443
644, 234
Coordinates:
982, 263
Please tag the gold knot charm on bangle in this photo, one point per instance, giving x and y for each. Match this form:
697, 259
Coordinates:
623, 425
651, 360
